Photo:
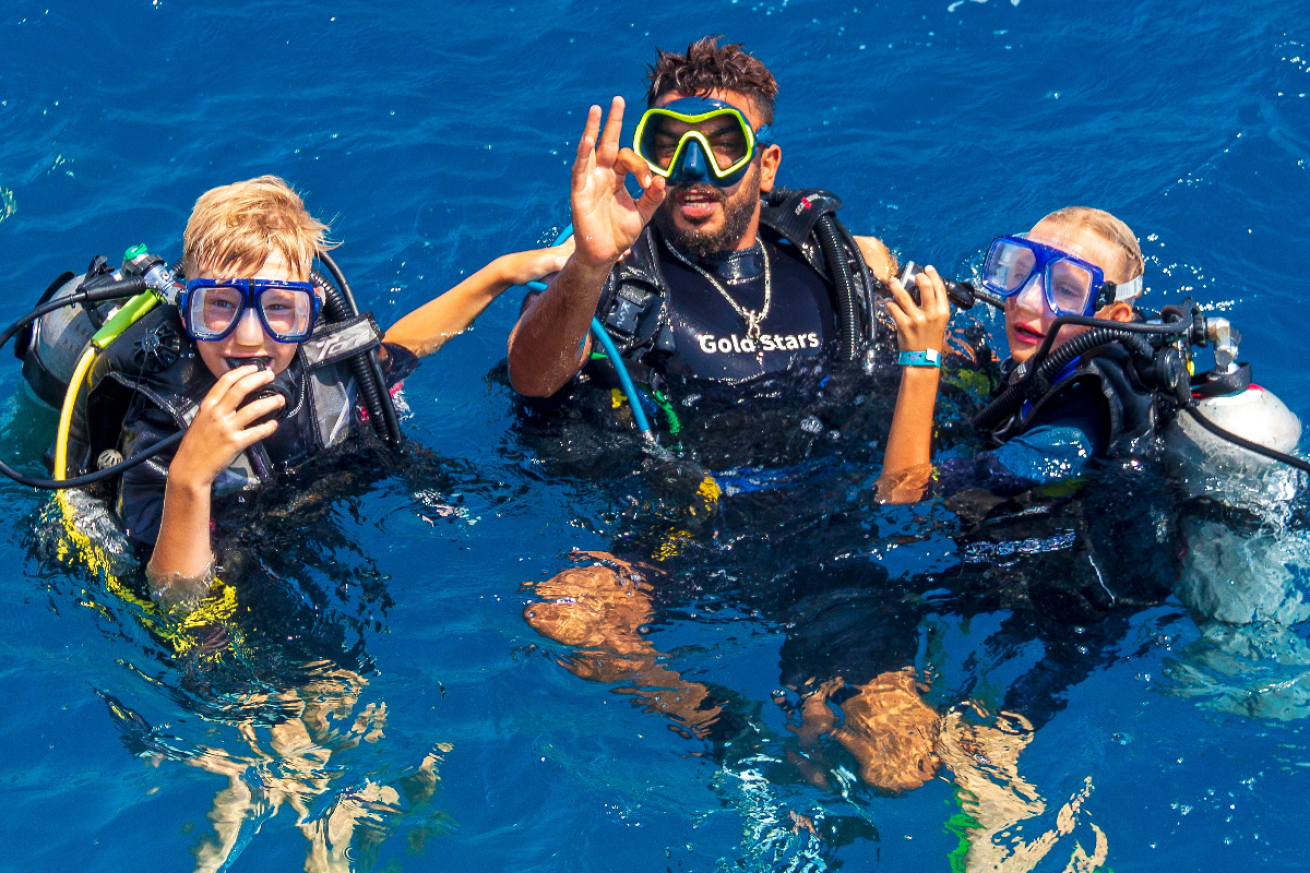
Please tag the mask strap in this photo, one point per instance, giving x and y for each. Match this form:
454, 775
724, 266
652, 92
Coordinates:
1112, 293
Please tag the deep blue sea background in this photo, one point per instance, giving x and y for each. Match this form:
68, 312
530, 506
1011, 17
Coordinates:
436, 136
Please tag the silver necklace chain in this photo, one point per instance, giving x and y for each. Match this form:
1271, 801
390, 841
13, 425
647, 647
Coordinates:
752, 319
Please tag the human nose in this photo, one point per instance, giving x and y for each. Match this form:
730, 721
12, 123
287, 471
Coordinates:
249, 331
1032, 296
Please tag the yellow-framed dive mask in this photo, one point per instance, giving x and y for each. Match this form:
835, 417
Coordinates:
697, 139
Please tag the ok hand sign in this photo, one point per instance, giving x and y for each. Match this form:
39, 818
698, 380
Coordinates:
606, 220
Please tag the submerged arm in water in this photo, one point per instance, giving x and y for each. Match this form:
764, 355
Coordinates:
600, 610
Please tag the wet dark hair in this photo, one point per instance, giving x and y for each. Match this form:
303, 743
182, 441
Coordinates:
708, 67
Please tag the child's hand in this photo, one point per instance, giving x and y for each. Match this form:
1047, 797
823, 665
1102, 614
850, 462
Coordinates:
920, 327
221, 431
523, 267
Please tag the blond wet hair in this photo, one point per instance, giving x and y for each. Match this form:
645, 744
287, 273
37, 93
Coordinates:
1109, 228
236, 228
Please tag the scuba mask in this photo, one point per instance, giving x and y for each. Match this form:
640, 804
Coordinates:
212, 308
1072, 286
696, 139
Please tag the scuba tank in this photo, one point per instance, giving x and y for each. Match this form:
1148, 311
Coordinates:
78, 317
1218, 422
1206, 463
51, 346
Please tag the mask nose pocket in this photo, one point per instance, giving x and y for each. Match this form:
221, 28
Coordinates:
694, 166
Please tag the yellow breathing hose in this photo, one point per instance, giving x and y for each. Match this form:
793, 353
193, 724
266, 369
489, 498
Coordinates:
127, 315
66, 413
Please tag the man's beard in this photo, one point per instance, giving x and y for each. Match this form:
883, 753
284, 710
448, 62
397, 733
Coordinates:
737, 214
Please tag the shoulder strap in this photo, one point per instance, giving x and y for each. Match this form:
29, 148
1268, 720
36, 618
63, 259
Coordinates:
635, 291
793, 214
1129, 404
338, 340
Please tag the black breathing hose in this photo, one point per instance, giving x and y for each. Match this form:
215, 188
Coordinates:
100, 475
364, 367
840, 268
1051, 363
334, 306
340, 278
868, 303
1233, 438
374, 367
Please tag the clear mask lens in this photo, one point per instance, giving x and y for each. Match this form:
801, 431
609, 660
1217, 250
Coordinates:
1070, 288
286, 311
1008, 267
214, 311
722, 136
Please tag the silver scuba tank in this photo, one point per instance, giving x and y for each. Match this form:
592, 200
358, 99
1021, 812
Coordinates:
56, 342
1208, 465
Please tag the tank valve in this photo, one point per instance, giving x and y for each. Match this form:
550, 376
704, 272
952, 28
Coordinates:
1225, 338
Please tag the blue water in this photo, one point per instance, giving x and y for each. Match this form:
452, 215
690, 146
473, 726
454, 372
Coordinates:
436, 136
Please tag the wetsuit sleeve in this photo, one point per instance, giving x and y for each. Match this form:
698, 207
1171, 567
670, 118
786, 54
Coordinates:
140, 504
397, 363
1059, 445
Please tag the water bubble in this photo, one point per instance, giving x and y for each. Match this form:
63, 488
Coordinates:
1122, 739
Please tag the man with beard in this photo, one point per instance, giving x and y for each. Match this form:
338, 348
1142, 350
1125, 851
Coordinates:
730, 280
717, 284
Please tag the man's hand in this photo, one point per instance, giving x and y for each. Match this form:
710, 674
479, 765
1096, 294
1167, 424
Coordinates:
606, 220
220, 430
549, 344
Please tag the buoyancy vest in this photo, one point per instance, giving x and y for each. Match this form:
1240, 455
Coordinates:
1129, 410
152, 380
637, 305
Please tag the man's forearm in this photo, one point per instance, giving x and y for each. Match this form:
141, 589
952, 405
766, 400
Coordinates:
545, 349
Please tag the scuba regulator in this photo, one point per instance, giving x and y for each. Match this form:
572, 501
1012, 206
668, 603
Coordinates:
1162, 351
79, 317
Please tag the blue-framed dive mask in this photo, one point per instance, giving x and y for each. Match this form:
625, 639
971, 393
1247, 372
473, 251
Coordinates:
212, 308
1072, 285
697, 139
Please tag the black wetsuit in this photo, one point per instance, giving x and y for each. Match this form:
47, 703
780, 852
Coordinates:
710, 338
140, 500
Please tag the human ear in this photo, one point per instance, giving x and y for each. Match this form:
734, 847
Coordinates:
1119, 311
770, 160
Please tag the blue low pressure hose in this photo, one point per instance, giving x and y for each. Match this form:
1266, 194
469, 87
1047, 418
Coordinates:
607, 344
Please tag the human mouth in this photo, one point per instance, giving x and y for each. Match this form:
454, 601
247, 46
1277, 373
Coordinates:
261, 362
697, 204
1025, 335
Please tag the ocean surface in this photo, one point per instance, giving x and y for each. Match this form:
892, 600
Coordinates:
410, 715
